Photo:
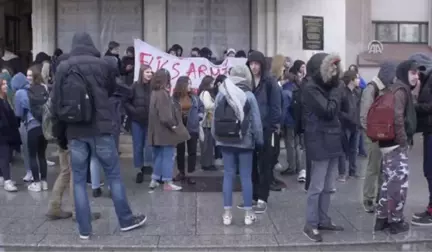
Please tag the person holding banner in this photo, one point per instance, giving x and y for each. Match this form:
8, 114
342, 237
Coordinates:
165, 130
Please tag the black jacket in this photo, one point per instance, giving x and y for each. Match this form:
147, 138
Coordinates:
101, 79
268, 94
424, 106
350, 108
321, 105
9, 133
128, 74
137, 106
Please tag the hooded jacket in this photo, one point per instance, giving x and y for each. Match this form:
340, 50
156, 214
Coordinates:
405, 120
321, 106
101, 80
386, 76
254, 135
424, 100
21, 102
268, 94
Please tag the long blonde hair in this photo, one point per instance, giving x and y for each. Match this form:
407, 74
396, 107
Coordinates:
277, 66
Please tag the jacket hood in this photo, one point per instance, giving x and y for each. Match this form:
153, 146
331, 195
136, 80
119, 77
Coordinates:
387, 73
19, 81
296, 66
41, 57
241, 73
424, 61
82, 44
403, 68
325, 69
259, 57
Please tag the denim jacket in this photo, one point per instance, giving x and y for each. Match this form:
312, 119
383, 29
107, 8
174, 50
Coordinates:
196, 114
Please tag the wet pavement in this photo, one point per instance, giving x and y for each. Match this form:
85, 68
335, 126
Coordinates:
187, 221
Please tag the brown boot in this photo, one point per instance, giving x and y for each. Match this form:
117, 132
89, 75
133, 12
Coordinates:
58, 214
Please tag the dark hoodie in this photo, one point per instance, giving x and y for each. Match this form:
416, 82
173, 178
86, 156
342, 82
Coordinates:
268, 94
405, 116
128, 60
321, 105
101, 80
424, 100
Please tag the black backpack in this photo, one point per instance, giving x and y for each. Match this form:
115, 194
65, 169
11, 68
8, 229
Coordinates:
38, 97
75, 103
226, 124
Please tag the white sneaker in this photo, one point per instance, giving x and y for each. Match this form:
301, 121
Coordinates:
2, 181
153, 184
35, 187
250, 218
84, 237
218, 162
227, 218
28, 177
44, 185
302, 176
9, 186
279, 168
170, 186
50, 163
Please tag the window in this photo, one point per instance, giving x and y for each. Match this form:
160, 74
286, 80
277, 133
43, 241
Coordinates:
216, 24
399, 32
118, 20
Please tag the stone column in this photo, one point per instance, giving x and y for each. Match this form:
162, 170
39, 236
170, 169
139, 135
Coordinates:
43, 25
271, 27
155, 23
430, 23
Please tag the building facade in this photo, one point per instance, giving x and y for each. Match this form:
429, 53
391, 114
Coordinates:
271, 26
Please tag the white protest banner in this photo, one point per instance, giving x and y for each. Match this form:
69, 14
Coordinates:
194, 68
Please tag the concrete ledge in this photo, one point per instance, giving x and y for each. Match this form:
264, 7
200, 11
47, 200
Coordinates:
123, 242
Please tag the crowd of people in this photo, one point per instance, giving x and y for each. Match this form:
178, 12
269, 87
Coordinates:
325, 116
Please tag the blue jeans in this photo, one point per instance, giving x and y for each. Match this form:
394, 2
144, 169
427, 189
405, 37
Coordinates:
163, 162
95, 169
105, 150
142, 154
242, 159
350, 154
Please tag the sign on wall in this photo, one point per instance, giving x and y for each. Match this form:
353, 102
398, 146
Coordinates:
313, 33
195, 68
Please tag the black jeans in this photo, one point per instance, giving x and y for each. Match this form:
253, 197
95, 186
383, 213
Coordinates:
37, 145
217, 152
276, 152
192, 154
308, 169
5, 159
262, 168
427, 163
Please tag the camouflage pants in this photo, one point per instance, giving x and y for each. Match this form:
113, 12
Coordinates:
394, 189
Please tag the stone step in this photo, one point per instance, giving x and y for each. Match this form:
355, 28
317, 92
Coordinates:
228, 243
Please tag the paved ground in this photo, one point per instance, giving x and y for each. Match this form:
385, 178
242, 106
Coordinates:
179, 221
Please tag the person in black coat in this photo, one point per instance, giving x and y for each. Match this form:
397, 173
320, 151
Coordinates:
9, 138
137, 109
128, 66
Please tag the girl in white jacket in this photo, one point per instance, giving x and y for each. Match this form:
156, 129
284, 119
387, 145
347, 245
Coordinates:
207, 144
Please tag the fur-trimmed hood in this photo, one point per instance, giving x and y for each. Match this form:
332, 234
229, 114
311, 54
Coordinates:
325, 69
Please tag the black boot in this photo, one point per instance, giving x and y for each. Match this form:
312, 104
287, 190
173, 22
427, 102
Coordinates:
381, 224
399, 227
97, 193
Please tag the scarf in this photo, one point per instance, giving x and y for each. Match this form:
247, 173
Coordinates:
235, 97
